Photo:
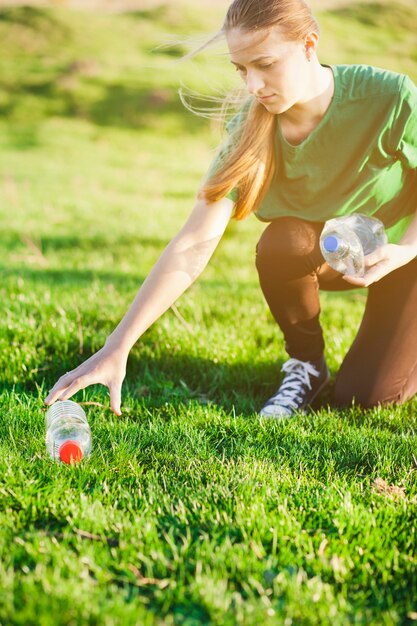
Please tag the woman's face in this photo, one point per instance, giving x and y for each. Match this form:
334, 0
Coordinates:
275, 70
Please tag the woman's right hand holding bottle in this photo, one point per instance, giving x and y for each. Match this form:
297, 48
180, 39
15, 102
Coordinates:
106, 367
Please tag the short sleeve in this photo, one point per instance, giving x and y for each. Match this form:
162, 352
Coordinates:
403, 136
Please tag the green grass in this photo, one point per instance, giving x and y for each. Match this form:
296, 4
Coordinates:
190, 510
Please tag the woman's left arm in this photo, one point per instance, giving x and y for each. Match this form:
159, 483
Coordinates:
388, 258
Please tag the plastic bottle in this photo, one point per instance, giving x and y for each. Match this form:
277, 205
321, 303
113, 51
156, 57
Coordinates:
345, 241
68, 435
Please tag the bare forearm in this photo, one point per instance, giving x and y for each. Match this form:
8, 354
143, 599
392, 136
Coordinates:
180, 264
176, 269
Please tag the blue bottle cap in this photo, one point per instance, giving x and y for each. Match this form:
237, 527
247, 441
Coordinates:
331, 243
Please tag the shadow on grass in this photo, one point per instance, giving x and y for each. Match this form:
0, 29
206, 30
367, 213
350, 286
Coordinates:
88, 241
15, 250
163, 387
71, 279
109, 105
163, 382
157, 378
49, 277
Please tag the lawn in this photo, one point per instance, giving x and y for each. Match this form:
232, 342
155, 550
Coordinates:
190, 509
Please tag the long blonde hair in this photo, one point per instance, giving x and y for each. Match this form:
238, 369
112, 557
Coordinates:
250, 166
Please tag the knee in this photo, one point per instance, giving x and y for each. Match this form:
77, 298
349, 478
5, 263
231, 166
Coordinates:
346, 398
290, 247
286, 239
287, 236
366, 394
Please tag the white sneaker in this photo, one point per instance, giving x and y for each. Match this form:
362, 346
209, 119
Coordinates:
302, 383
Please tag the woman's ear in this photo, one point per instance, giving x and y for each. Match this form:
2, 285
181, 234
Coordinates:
310, 44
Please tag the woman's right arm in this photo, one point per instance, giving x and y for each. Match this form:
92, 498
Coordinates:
182, 261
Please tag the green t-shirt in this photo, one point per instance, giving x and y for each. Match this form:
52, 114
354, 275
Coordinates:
361, 158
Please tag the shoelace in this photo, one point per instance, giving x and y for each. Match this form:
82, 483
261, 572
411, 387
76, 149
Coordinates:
298, 376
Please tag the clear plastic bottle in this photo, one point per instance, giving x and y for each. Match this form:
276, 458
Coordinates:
345, 241
68, 435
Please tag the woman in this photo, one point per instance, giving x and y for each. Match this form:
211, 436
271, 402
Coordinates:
311, 142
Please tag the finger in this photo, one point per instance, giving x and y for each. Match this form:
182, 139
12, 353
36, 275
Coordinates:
371, 276
76, 385
115, 398
62, 384
53, 396
356, 281
375, 257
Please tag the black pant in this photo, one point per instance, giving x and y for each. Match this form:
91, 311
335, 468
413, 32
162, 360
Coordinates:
381, 365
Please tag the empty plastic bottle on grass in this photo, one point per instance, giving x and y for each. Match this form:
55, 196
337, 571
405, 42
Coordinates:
68, 435
345, 241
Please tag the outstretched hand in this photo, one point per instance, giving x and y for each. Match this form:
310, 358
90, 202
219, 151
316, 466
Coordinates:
381, 262
106, 367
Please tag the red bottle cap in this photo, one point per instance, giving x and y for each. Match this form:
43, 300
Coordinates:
70, 451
